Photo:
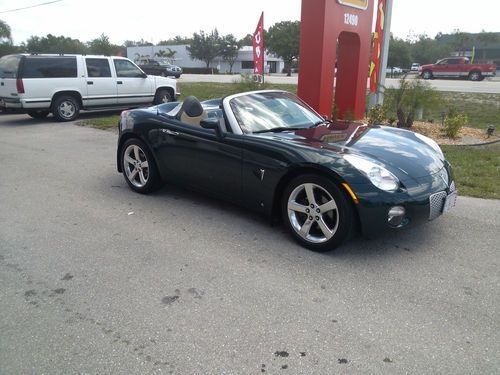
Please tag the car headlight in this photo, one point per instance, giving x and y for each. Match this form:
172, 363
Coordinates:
377, 174
431, 143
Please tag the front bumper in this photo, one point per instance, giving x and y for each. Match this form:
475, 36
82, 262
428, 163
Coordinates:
422, 201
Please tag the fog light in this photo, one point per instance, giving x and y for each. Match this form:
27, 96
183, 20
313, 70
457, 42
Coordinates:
396, 216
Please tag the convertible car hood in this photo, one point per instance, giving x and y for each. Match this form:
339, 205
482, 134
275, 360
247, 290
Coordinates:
400, 150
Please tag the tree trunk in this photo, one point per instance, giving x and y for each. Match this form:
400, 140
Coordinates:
401, 118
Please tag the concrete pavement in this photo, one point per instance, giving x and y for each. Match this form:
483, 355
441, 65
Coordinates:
98, 279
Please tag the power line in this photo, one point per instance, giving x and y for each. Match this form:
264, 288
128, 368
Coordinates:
31, 6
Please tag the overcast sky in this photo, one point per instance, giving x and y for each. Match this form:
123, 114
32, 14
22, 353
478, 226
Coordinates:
156, 20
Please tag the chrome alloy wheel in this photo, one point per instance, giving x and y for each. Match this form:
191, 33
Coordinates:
67, 109
136, 166
313, 213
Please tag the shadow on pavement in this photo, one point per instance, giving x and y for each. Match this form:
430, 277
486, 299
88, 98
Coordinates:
14, 119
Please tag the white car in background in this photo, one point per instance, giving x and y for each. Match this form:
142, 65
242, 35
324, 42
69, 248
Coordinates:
65, 84
414, 67
394, 70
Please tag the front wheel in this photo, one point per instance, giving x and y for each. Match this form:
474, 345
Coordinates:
317, 213
65, 108
139, 167
162, 96
427, 74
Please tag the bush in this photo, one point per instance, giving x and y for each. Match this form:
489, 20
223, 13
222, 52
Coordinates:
377, 114
453, 123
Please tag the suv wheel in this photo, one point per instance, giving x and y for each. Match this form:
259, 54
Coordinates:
65, 108
162, 96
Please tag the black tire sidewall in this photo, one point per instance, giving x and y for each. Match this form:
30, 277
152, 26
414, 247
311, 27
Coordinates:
154, 181
58, 101
345, 211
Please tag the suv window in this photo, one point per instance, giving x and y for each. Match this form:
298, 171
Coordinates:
98, 68
9, 65
125, 68
49, 67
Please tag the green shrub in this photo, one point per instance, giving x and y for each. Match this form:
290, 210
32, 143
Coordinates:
453, 123
377, 114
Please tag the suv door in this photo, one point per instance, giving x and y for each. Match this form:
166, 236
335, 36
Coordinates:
133, 85
101, 86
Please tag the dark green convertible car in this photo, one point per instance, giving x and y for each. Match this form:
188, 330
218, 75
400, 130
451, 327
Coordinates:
270, 152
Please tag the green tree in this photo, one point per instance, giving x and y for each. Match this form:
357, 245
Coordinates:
427, 50
485, 38
176, 41
229, 48
246, 40
102, 46
54, 44
205, 47
461, 41
282, 39
5, 32
399, 53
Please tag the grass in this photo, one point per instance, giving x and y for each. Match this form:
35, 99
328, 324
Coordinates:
477, 169
482, 109
102, 123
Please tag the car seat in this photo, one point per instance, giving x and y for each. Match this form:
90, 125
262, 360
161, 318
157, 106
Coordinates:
191, 112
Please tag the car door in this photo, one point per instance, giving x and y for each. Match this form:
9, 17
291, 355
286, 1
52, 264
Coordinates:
101, 86
133, 85
454, 67
196, 157
440, 69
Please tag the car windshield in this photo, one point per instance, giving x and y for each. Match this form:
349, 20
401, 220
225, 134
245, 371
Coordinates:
270, 111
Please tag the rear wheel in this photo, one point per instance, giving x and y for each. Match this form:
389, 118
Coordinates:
139, 168
316, 213
475, 76
38, 114
162, 96
65, 108
427, 74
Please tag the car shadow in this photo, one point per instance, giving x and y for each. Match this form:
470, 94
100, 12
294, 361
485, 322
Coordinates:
279, 242
25, 120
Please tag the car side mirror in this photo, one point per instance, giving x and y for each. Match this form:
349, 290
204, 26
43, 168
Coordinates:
213, 123
144, 75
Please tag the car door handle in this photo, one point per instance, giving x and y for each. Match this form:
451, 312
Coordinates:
120, 82
90, 82
169, 132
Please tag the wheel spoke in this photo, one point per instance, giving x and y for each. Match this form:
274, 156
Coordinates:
142, 178
328, 206
310, 193
306, 227
324, 228
144, 164
136, 153
129, 160
132, 175
294, 206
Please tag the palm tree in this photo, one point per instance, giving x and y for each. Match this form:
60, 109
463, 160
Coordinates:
5, 32
169, 55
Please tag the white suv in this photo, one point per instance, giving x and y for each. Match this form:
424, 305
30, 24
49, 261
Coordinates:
64, 84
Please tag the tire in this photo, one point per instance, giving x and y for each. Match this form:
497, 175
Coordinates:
139, 167
38, 114
65, 108
475, 76
162, 96
177, 76
427, 74
317, 213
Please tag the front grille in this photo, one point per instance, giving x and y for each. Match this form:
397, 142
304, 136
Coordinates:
436, 202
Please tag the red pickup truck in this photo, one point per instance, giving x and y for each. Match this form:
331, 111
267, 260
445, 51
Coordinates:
457, 67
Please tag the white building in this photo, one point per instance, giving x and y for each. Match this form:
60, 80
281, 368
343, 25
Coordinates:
243, 63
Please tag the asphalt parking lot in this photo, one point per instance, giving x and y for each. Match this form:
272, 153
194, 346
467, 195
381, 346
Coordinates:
97, 279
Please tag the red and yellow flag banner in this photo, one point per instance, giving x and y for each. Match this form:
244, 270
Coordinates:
377, 46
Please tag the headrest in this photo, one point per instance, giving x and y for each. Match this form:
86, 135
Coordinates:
192, 107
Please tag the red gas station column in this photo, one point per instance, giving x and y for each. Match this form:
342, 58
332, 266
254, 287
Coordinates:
324, 24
